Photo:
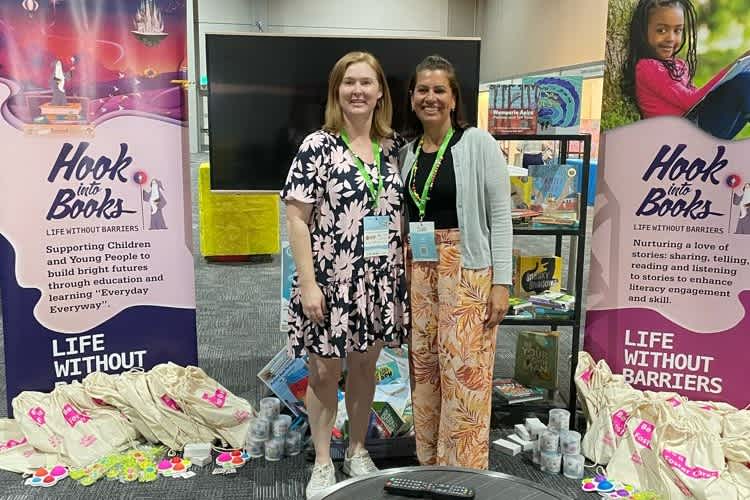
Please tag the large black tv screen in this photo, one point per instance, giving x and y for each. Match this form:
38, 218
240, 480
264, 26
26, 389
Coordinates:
267, 92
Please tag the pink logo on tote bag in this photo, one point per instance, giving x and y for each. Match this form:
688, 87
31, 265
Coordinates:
643, 433
73, 416
619, 419
38, 415
169, 402
679, 462
218, 399
12, 444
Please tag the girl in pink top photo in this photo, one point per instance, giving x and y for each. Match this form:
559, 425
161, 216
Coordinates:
661, 83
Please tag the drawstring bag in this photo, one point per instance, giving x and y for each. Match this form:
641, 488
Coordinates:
103, 388
207, 401
710, 414
16, 454
92, 431
134, 389
627, 462
736, 445
590, 378
692, 461
189, 430
68, 424
35, 415
614, 405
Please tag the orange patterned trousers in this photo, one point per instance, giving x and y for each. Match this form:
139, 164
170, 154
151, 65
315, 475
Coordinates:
451, 357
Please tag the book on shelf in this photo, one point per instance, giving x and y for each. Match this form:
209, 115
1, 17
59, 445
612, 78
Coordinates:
535, 274
513, 109
554, 189
536, 359
510, 391
517, 305
559, 301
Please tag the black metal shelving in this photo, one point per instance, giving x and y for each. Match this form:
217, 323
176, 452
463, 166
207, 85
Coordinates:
580, 244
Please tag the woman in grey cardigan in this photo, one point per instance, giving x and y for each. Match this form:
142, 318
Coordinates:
459, 261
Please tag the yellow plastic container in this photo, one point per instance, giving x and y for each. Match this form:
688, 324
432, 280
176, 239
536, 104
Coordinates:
233, 224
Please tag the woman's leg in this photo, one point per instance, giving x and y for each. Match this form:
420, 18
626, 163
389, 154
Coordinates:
360, 389
467, 359
726, 110
424, 371
321, 403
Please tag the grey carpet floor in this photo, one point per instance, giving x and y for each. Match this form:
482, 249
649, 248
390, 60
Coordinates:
237, 321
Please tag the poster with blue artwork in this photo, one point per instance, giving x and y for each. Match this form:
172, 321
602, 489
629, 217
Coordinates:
558, 104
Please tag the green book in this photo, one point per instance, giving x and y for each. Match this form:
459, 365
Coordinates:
536, 359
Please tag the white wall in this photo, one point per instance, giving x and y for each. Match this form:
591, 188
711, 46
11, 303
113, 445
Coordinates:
358, 17
529, 36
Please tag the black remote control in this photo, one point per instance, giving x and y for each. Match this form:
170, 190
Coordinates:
406, 487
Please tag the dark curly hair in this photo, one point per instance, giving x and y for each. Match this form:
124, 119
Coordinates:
640, 49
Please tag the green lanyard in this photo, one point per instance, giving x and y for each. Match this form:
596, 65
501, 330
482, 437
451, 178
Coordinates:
421, 201
374, 191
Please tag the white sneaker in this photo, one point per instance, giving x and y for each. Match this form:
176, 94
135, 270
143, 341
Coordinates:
359, 465
323, 476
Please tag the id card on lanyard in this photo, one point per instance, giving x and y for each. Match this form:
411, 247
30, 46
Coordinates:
422, 233
422, 241
375, 227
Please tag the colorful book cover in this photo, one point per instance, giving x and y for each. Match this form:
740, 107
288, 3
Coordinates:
536, 359
554, 300
513, 392
536, 274
558, 104
513, 109
517, 305
555, 188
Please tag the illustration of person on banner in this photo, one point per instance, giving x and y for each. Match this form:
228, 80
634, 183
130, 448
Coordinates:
661, 82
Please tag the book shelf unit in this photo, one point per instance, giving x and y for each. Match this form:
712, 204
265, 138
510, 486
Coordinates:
577, 245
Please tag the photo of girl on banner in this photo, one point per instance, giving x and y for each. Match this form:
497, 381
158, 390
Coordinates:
673, 58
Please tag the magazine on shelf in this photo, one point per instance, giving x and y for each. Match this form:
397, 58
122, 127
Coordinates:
513, 392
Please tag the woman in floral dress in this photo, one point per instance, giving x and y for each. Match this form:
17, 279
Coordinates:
348, 297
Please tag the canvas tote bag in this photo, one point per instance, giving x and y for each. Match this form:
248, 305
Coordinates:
16, 454
204, 399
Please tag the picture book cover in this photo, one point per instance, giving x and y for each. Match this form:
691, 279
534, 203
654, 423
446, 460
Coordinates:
513, 392
741, 65
558, 103
536, 274
536, 359
554, 188
513, 109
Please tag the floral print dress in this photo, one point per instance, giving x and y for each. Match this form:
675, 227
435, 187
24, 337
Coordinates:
365, 297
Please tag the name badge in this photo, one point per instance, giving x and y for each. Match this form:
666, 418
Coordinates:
422, 241
376, 236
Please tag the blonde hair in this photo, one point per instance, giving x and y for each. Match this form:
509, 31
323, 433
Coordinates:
383, 113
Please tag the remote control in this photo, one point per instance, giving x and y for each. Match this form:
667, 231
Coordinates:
422, 489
